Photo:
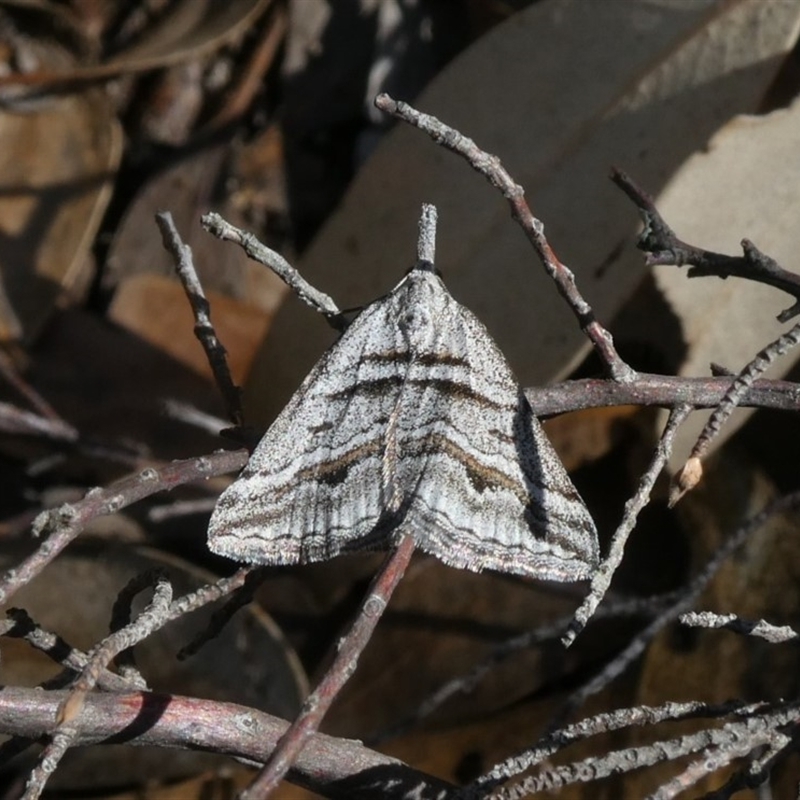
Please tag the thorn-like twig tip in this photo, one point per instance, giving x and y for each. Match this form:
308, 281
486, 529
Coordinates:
685, 480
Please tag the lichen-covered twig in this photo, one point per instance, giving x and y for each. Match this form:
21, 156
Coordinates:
691, 473
63, 524
262, 254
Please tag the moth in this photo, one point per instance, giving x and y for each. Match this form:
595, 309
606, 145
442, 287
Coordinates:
411, 422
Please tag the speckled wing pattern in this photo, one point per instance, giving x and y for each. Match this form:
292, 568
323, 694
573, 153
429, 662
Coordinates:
412, 421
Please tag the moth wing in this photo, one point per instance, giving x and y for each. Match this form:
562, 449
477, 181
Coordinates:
491, 493
313, 488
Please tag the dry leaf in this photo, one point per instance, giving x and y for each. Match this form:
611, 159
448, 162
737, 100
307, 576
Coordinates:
57, 167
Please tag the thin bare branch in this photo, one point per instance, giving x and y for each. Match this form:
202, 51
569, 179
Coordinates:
601, 579
661, 244
608, 722
63, 524
344, 664
690, 475
203, 329
19, 625
776, 634
664, 391
490, 167
67, 716
18, 421
340, 768
259, 252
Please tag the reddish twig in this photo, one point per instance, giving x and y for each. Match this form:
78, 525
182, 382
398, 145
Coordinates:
343, 666
67, 716
491, 168
665, 391
144, 718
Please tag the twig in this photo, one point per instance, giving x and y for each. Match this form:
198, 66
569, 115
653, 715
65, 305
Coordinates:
259, 252
335, 767
601, 579
666, 391
490, 167
343, 666
65, 523
604, 723
756, 773
16, 420
19, 625
684, 603
203, 329
686, 600
691, 473
11, 374
710, 761
67, 716
662, 246
243, 585
190, 415
754, 730
759, 628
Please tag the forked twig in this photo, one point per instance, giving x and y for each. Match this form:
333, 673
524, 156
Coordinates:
67, 716
663, 246
691, 473
516, 764
490, 167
